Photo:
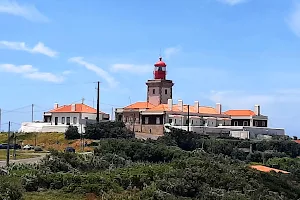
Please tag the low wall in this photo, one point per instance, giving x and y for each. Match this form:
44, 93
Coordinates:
29, 127
226, 129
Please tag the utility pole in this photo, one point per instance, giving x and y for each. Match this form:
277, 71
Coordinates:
32, 106
98, 104
188, 116
15, 142
7, 149
35, 139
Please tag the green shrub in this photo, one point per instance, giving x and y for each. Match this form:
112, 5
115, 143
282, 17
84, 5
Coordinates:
10, 188
72, 133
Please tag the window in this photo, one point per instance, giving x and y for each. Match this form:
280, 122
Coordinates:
86, 118
56, 120
68, 121
175, 121
146, 120
170, 121
235, 123
263, 123
166, 91
192, 121
63, 120
153, 91
245, 123
74, 120
256, 123
157, 120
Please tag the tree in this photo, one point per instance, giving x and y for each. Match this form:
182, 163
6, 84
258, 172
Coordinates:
72, 133
107, 130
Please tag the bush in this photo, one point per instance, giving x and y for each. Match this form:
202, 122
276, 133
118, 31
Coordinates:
72, 133
107, 130
10, 189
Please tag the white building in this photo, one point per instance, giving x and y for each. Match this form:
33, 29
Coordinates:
61, 117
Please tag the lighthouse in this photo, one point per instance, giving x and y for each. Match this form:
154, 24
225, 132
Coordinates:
159, 88
160, 69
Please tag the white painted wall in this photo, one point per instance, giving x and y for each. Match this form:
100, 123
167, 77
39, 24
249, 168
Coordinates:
240, 134
60, 115
221, 129
28, 127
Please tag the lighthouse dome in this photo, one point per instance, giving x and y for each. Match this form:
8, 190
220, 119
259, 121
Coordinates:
160, 63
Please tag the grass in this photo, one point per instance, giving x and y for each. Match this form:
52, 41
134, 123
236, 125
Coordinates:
52, 195
20, 154
46, 140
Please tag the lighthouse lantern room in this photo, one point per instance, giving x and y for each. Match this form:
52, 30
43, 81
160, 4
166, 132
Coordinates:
160, 69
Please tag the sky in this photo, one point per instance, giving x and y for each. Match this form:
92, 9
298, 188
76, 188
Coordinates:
235, 52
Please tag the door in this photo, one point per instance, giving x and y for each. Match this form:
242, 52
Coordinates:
56, 120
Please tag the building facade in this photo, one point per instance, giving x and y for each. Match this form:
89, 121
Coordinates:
159, 111
61, 117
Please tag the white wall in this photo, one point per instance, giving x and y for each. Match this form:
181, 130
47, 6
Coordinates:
60, 115
222, 129
28, 127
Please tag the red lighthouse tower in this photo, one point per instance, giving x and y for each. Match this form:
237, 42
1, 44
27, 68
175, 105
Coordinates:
159, 89
160, 69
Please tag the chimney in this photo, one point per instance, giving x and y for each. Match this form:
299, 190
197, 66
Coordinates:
55, 105
180, 105
257, 110
196, 106
170, 104
73, 107
219, 108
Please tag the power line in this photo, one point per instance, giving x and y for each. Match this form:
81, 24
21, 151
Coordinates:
6, 111
50, 84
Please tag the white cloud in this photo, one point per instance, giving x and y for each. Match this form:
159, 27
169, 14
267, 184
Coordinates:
99, 71
21, 46
232, 2
293, 20
29, 12
28, 71
137, 69
168, 52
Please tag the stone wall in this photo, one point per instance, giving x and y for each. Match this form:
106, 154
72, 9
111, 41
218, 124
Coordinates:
156, 129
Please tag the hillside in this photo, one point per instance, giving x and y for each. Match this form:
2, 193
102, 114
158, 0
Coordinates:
180, 165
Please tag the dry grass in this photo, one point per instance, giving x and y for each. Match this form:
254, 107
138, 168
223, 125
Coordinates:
19, 154
52, 195
47, 141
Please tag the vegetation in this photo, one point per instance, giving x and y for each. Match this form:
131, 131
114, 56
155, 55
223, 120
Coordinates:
179, 165
19, 154
72, 133
107, 130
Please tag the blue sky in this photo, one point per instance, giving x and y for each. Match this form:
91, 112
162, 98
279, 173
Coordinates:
236, 52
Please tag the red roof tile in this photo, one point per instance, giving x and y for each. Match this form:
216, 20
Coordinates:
240, 113
175, 108
267, 169
140, 105
79, 108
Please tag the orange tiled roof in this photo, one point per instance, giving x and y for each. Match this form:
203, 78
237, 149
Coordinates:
267, 169
79, 108
297, 141
175, 108
240, 113
139, 105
